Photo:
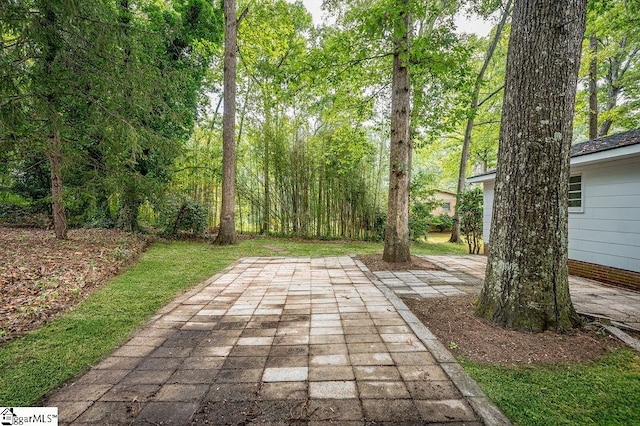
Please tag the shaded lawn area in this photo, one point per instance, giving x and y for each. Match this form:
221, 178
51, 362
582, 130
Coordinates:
33, 365
605, 392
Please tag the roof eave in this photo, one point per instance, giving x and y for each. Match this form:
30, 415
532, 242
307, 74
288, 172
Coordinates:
487, 177
608, 155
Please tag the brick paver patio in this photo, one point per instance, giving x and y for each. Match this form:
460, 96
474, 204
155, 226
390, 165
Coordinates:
280, 341
465, 274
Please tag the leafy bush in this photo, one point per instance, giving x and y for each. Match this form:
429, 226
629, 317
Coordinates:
420, 221
182, 214
29, 215
469, 209
442, 222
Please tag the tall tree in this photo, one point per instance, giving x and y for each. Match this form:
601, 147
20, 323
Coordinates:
593, 87
475, 100
396, 237
526, 285
106, 91
52, 49
610, 97
47, 66
227, 230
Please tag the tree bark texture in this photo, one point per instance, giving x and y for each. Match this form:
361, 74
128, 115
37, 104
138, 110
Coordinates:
55, 162
227, 231
466, 144
396, 239
526, 285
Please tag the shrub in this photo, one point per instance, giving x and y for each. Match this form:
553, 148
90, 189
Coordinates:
469, 209
375, 229
443, 222
30, 216
420, 221
182, 214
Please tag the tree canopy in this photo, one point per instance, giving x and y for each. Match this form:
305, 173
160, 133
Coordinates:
111, 110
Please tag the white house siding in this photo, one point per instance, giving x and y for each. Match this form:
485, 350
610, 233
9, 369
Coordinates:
608, 231
488, 191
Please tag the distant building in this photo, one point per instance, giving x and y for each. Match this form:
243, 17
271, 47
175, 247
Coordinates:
448, 203
604, 208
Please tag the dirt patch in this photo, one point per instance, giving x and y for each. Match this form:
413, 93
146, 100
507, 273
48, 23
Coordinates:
42, 277
375, 263
452, 320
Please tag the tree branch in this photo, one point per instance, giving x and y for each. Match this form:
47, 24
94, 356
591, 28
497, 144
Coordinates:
490, 95
242, 15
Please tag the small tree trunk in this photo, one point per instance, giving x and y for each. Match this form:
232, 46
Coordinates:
227, 232
593, 88
613, 90
396, 239
266, 208
466, 144
526, 285
130, 203
55, 161
54, 151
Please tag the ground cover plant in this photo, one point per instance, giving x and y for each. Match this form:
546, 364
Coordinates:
32, 365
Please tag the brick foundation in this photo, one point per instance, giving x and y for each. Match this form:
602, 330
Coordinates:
605, 274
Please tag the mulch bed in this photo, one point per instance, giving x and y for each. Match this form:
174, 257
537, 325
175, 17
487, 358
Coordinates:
42, 277
452, 320
375, 263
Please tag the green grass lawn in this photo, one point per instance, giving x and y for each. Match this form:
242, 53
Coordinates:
39, 362
606, 392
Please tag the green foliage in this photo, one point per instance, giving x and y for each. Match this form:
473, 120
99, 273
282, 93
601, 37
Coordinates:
118, 80
615, 26
19, 214
420, 221
443, 222
423, 203
180, 213
469, 208
33, 184
606, 392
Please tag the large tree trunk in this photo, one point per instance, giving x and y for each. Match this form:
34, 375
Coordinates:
526, 285
227, 232
593, 87
396, 238
466, 144
55, 161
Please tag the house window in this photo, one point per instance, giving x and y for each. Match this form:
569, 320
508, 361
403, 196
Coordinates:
576, 204
446, 207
